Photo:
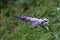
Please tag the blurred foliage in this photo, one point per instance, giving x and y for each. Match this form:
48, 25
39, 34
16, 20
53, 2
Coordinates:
14, 29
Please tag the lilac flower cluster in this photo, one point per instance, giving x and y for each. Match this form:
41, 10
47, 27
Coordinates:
34, 21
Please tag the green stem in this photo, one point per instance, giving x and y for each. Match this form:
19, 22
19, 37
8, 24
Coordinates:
44, 28
53, 33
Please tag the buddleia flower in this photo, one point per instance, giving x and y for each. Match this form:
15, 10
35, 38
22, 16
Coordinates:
34, 21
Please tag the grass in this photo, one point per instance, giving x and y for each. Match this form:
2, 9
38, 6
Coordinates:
14, 29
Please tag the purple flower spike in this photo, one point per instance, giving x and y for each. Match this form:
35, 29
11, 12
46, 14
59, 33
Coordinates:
24, 18
34, 21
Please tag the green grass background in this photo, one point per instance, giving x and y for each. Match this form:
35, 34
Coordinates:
14, 29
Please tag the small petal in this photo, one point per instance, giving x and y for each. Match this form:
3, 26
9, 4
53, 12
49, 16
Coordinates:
45, 24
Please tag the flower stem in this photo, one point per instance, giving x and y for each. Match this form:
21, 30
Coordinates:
53, 33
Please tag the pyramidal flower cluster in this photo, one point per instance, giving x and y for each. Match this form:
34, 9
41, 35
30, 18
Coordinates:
34, 21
